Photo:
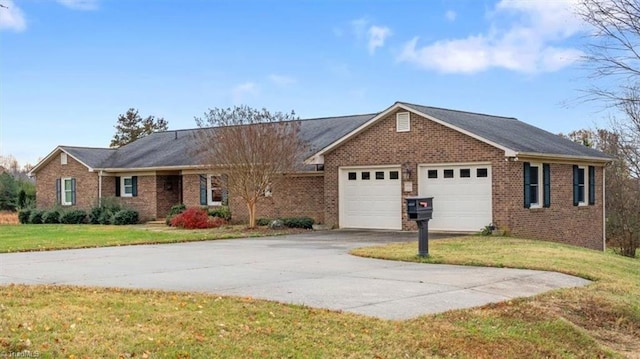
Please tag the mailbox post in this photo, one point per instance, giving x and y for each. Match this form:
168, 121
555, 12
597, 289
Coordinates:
420, 209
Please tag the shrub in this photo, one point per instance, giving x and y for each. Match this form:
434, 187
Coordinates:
76, 216
222, 212
192, 218
35, 217
125, 216
106, 216
298, 222
94, 215
215, 222
263, 221
51, 216
174, 211
23, 215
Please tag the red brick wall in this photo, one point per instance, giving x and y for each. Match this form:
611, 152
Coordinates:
429, 142
146, 200
562, 221
295, 196
86, 183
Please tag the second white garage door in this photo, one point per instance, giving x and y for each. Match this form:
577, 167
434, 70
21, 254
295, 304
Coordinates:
461, 196
370, 198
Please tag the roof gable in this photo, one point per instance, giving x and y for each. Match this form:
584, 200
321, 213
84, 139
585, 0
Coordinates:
506, 133
90, 157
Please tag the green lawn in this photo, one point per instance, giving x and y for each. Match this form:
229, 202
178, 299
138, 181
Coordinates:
597, 321
33, 237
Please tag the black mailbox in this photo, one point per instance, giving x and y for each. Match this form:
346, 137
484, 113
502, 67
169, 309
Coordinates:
419, 208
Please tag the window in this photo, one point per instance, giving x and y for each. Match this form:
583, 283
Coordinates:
465, 173
379, 175
66, 191
214, 185
432, 174
366, 175
583, 195
393, 175
537, 185
353, 176
481, 172
448, 173
403, 122
63, 158
127, 186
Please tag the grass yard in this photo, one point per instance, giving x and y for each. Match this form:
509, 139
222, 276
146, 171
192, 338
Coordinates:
34, 237
598, 321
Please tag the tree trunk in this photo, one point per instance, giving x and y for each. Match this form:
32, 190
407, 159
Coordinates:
251, 206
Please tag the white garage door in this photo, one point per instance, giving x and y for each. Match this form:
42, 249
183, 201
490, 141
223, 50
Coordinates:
370, 198
461, 196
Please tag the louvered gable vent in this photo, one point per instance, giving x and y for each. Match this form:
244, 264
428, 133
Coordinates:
403, 122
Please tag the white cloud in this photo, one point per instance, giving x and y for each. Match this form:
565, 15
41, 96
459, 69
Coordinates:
11, 17
524, 36
80, 4
377, 36
282, 80
240, 92
450, 15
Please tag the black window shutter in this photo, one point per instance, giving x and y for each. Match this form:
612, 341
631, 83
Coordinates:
203, 190
134, 186
73, 191
58, 191
546, 179
527, 184
117, 186
576, 185
592, 185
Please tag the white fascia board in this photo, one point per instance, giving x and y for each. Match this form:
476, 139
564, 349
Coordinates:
50, 157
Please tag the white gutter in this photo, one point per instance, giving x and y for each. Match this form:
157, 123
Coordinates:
100, 188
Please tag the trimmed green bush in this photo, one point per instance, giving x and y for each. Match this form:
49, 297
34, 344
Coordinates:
221, 212
263, 221
51, 216
76, 216
105, 216
125, 216
298, 222
94, 215
23, 215
35, 217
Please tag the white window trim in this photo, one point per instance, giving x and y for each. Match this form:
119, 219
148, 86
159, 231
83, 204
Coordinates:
63, 158
63, 191
540, 202
122, 187
400, 118
585, 186
210, 200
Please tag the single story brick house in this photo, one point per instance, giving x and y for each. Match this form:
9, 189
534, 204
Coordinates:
480, 169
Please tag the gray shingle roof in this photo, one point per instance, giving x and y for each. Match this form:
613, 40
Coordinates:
91, 156
509, 132
176, 148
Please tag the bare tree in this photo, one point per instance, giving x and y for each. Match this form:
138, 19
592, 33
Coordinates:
613, 57
254, 148
131, 126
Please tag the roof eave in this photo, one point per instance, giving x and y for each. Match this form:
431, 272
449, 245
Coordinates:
558, 157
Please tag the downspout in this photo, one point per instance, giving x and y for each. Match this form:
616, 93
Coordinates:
604, 210
100, 188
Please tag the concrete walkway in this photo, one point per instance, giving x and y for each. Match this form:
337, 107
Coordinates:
313, 269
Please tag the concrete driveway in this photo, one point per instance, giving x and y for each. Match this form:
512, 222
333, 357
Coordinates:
313, 269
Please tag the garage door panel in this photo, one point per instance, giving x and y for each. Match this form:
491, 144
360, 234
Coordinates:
374, 203
460, 203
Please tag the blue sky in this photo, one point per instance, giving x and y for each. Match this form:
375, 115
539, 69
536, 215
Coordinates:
68, 68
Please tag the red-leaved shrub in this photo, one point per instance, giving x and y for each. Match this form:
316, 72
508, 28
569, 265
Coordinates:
191, 218
196, 218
